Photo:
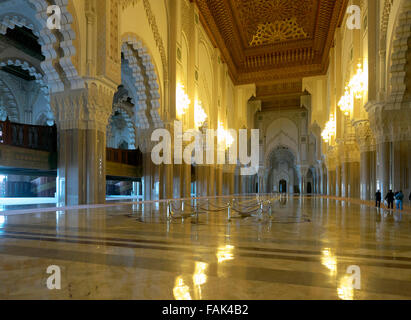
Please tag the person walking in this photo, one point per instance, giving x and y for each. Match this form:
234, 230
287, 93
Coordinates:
390, 199
378, 199
399, 197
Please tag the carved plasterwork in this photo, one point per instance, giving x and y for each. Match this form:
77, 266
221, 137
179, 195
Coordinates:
273, 32
399, 71
364, 135
11, 21
9, 101
147, 97
253, 13
267, 40
67, 53
87, 108
384, 19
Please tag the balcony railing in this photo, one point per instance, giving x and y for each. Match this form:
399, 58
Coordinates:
129, 157
42, 138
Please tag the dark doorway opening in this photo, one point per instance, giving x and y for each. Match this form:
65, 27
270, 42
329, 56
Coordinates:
309, 188
283, 186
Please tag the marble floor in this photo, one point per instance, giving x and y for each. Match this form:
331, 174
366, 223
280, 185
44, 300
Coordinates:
300, 249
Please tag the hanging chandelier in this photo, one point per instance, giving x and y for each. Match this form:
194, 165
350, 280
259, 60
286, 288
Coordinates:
354, 90
182, 100
329, 130
224, 136
199, 114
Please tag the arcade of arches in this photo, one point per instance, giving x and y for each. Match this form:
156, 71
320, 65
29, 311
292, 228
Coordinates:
329, 94
112, 87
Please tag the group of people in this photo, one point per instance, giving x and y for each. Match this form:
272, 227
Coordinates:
398, 197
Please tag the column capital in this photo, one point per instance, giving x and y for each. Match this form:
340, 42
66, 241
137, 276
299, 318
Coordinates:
364, 135
87, 108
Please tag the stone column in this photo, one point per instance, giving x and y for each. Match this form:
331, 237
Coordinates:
338, 180
344, 179
82, 118
366, 143
365, 175
384, 167
331, 183
212, 181
187, 181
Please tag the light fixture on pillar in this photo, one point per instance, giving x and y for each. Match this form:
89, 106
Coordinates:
329, 130
224, 136
357, 83
346, 102
355, 89
199, 114
229, 140
182, 100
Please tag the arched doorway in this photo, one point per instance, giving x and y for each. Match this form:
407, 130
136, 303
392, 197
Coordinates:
309, 188
282, 186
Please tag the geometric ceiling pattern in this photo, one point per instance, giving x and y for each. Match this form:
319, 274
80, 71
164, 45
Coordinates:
266, 40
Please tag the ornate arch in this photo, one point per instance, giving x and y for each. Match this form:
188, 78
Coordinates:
9, 101
147, 98
129, 122
66, 36
40, 79
273, 148
25, 65
11, 20
384, 20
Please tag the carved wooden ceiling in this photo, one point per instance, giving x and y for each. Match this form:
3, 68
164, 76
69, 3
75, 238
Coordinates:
266, 40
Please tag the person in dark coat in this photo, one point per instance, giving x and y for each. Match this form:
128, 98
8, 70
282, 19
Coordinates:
378, 199
390, 199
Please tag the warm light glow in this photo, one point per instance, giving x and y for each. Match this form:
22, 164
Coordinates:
329, 260
182, 100
329, 130
346, 289
346, 102
355, 89
225, 254
181, 291
224, 136
357, 83
199, 114
199, 277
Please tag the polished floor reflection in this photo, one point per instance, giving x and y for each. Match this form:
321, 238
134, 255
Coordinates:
301, 248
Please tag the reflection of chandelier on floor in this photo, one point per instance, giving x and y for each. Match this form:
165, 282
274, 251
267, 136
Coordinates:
355, 89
